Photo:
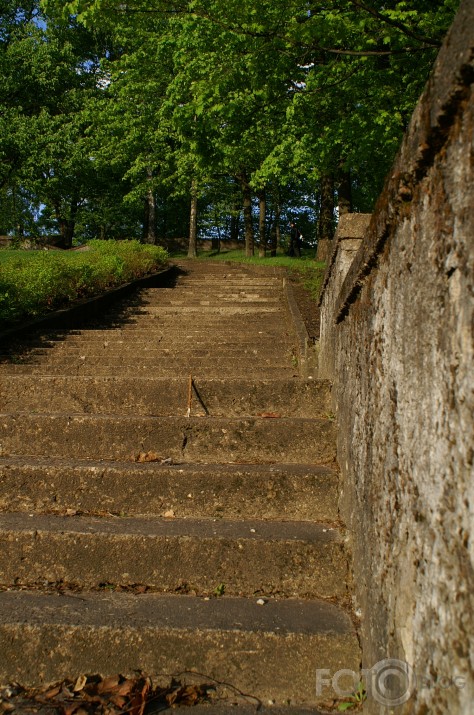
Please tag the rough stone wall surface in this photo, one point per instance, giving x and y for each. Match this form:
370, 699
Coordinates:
404, 386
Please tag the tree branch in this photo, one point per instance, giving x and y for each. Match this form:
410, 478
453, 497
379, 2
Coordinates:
273, 34
394, 23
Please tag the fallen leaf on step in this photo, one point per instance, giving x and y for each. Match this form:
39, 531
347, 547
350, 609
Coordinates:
169, 514
142, 457
188, 695
272, 415
80, 682
94, 695
52, 693
108, 684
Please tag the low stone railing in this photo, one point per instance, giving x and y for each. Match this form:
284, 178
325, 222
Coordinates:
397, 340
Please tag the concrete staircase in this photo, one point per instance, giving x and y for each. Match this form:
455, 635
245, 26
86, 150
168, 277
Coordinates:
136, 537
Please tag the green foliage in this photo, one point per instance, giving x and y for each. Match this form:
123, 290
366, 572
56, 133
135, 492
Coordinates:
116, 101
35, 282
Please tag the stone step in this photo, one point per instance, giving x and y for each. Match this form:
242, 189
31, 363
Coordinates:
197, 439
119, 354
174, 555
163, 342
228, 279
175, 325
232, 491
268, 652
174, 333
165, 396
217, 310
214, 298
232, 369
197, 336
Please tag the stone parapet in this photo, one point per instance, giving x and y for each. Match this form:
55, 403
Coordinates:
402, 356
348, 238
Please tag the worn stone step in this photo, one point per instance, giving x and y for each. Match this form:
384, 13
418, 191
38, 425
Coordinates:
215, 298
177, 342
166, 396
117, 355
283, 491
270, 652
173, 333
164, 363
232, 369
174, 326
256, 331
209, 439
172, 555
223, 310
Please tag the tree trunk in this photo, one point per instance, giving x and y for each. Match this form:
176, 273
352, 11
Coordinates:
216, 240
66, 229
235, 223
326, 219
236, 213
149, 218
66, 225
192, 249
149, 214
247, 205
276, 236
262, 238
344, 193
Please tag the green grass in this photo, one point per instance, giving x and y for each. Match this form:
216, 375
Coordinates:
309, 271
32, 283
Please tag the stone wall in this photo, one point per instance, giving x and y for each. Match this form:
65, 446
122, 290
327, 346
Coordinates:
403, 333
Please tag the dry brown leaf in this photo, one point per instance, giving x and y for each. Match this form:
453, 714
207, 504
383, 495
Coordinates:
272, 415
138, 702
118, 700
80, 682
149, 457
70, 708
108, 684
52, 693
125, 688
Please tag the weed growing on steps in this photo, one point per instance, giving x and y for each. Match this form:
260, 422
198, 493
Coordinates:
356, 701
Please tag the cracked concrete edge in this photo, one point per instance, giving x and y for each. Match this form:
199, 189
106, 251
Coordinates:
84, 308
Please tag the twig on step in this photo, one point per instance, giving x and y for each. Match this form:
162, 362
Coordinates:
190, 394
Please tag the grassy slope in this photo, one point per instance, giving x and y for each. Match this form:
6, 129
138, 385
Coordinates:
32, 283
